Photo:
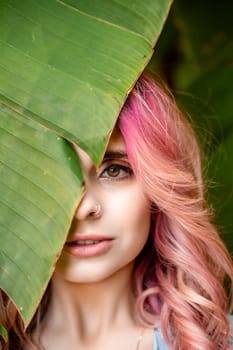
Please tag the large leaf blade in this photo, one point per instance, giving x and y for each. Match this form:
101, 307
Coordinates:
39, 189
90, 78
64, 72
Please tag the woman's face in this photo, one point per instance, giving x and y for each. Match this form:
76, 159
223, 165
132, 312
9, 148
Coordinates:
112, 221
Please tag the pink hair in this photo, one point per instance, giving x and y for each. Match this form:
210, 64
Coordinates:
181, 272
181, 275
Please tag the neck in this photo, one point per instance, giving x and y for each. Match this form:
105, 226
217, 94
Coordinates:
91, 309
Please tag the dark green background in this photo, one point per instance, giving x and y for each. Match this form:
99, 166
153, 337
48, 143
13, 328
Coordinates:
195, 57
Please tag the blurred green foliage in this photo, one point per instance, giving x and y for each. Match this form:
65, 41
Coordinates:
194, 56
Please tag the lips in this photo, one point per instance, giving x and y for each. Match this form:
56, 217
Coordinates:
87, 245
83, 242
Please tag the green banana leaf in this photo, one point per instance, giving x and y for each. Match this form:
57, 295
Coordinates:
66, 68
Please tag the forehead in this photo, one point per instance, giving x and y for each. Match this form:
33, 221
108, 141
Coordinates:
116, 145
116, 141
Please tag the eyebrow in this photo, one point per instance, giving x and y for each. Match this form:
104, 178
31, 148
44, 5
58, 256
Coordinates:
115, 155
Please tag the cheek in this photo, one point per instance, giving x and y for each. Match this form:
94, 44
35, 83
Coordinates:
140, 226
131, 215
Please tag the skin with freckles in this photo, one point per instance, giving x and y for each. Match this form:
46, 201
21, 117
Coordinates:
92, 302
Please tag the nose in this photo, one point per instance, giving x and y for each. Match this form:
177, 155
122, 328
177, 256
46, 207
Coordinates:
89, 207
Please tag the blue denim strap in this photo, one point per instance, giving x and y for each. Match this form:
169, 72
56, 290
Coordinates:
230, 318
159, 343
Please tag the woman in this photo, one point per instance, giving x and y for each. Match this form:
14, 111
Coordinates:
143, 268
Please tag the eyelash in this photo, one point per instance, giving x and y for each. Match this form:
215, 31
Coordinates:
121, 168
